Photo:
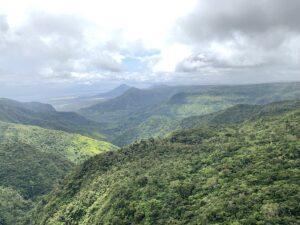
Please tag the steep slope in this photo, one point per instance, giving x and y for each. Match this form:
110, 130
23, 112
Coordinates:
46, 116
13, 207
33, 159
242, 174
151, 113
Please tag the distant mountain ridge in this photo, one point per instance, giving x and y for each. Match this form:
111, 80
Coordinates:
114, 92
132, 98
76, 103
142, 113
118, 109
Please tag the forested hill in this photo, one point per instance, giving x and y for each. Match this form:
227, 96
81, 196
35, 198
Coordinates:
129, 103
208, 96
240, 113
32, 160
244, 173
44, 115
155, 112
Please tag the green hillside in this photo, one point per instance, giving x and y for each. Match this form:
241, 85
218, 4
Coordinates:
33, 159
13, 206
236, 174
155, 112
161, 125
44, 115
240, 113
129, 103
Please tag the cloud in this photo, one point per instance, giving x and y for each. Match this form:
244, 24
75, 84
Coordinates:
237, 34
219, 20
198, 41
50, 46
3, 24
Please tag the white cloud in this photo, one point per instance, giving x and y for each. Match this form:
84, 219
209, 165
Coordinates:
148, 41
242, 37
56, 38
170, 56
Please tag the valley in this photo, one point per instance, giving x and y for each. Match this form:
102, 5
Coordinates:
44, 115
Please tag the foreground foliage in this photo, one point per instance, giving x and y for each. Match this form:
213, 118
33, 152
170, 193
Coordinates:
13, 207
235, 174
33, 159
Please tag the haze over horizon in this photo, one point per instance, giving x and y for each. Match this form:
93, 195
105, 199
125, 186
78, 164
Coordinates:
54, 48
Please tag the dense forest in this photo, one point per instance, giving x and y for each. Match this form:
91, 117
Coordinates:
242, 173
33, 159
196, 155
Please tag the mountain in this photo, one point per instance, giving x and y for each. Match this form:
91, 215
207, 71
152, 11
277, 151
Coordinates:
44, 115
73, 103
245, 173
114, 92
130, 102
155, 112
76, 103
33, 159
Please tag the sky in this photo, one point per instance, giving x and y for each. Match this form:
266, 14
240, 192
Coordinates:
53, 48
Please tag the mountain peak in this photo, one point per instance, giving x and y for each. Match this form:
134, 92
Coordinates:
123, 86
133, 89
119, 90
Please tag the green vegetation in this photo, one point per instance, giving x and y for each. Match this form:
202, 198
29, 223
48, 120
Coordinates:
155, 112
33, 159
44, 115
241, 173
12, 206
240, 113
233, 163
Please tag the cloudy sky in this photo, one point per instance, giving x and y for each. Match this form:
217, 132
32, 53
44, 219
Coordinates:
61, 47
